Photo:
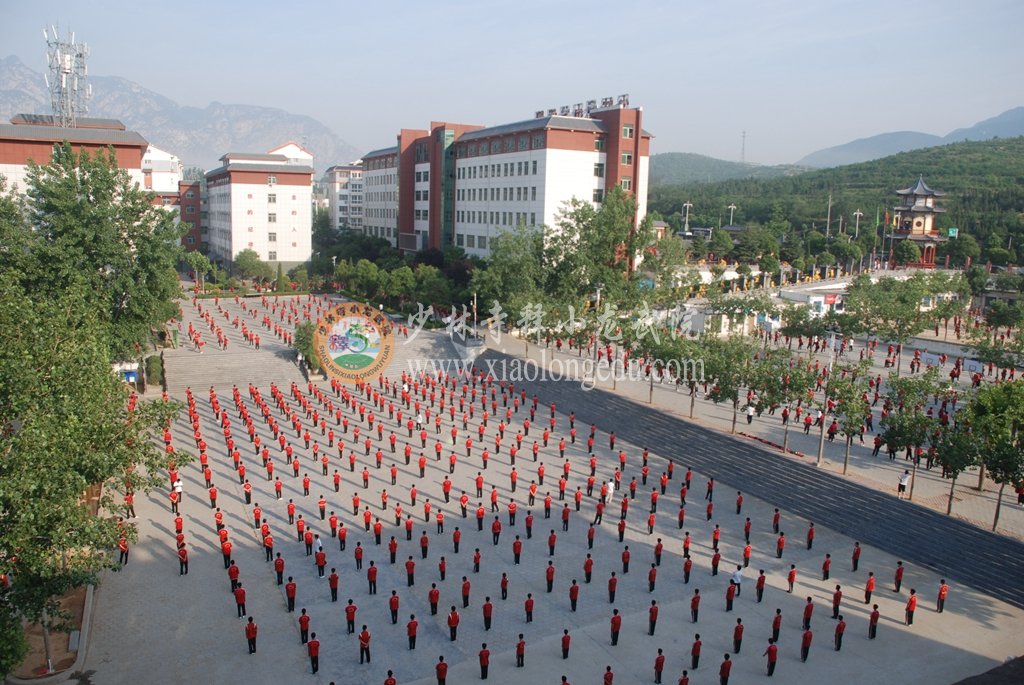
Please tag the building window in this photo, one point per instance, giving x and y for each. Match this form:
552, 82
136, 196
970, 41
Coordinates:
426, 176
190, 210
271, 180
627, 131
482, 242
598, 195
458, 239
538, 141
627, 183
271, 218
190, 240
190, 194
471, 240
599, 169
510, 144
272, 256
533, 194
534, 167
271, 237
627, 158
599, 144
524, 143
271, 198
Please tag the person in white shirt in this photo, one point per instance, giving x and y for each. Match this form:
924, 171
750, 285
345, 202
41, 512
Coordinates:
901, 489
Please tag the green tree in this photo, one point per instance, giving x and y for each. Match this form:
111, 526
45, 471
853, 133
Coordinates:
977, 280
514, 273
247, 264
432, 287
305, 345
997, 415
401, 284
720, 244
890, 309
906, 252
960, 249
958, 449
64, 428
908, 426
87, 223
325, 236
847, 385
366, 279
780, 379
200, 265
727, 364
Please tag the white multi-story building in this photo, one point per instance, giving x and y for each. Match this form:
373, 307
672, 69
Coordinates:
463, 185
262, 202
161, 171
343, 185
380, 194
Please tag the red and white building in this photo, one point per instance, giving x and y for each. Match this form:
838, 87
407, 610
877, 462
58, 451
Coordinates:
462, 185
190, 210
31, 137
262, 202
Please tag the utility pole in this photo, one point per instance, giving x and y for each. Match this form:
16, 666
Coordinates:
828, 218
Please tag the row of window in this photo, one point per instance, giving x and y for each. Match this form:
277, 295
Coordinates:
271, 197
496, 218
494, 170
422, 176
380, 213
497, 146
380, 179
504, 194
421, 195
470, 240
421, 214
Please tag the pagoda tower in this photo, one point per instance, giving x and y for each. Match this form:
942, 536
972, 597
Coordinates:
916, 219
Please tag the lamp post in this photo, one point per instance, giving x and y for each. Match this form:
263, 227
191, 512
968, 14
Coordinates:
686, 216
732, 209
856, 227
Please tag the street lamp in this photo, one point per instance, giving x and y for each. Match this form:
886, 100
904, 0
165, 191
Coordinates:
856, 227
686, 216
731, 208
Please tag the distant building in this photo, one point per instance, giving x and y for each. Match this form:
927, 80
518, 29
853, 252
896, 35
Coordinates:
343, 187
190, 208
916, 220
161, 172
31, 137
463, 185
262, 202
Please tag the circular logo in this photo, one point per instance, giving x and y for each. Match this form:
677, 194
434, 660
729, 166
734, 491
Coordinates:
354, 341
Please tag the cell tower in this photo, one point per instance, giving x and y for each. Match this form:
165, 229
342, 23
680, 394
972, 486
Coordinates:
67, 80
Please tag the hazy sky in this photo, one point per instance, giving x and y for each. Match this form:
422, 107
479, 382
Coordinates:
797, 76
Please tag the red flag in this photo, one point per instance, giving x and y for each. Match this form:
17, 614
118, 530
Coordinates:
886, 218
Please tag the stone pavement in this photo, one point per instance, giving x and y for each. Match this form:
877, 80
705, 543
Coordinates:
152, 625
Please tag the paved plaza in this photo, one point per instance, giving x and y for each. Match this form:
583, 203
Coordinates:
151, 624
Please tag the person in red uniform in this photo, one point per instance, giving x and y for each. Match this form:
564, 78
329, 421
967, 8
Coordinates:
695, 652
566, 640
652, 617
364, 645
805, 644
485, 660
251, 630
724, 670
616, 626
772, 652
350, 616
808, 612
840, 629
410, 630
441, 669
943, 593
695, 606
313, 649
659, 665
453, 623
911, 607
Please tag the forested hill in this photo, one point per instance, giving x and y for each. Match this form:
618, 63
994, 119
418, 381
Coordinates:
984, 182
674, 168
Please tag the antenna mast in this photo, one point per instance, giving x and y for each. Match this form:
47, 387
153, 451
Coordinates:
68, 78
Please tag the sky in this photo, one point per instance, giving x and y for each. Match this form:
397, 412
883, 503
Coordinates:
795, 75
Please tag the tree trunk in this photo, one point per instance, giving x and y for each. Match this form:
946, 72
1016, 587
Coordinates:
999, 505
981, 478
735, 411
693, 399
821, 441
47, 650
785, 438
949, 505
846, 457
913, 478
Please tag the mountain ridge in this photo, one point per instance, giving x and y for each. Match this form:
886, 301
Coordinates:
198, 136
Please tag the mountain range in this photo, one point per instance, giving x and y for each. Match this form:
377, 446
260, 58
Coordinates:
1006, 125
197, 136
